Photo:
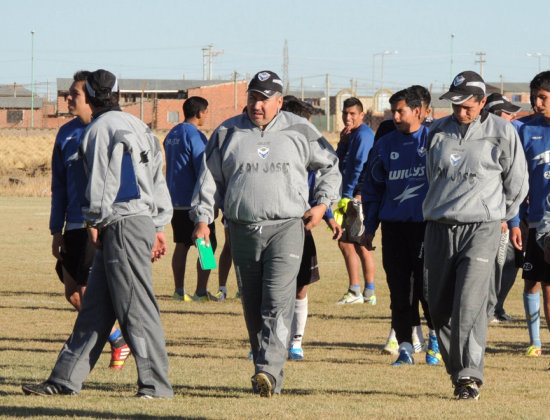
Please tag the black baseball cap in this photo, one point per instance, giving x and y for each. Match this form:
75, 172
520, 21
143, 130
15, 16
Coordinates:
498, 102
464, 86
100, 83
267, 83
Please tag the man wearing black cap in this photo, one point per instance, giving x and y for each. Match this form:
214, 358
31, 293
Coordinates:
128, 203
256, 165
477, 179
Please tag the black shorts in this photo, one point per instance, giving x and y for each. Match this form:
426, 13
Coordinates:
309, 267
183, 227
534, 266
78, 256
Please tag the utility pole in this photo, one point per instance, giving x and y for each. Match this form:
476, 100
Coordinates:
327, 103
452, 58
286, 82
501, 85
235, 89
32, 78
207, 51
481, 62
302, 87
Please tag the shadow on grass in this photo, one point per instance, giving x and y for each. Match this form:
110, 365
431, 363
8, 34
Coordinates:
506, 347
29, 412
35, 340
355, 317
27, 293
36, 308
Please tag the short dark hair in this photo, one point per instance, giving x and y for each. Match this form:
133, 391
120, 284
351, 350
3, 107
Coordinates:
423, 93
193, 105
81, 76
296, 106
478, 97
409, 95
540, 81
353, 101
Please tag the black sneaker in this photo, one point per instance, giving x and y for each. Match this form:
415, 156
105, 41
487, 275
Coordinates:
263, 383
466, 390
504, 317
47, 388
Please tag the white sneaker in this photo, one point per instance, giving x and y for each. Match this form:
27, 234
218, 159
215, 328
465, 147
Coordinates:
350, 298
418, 342
391, 347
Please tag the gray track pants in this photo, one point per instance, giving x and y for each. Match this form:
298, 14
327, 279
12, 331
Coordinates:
505, 276
267, 260
459, 261
119, 288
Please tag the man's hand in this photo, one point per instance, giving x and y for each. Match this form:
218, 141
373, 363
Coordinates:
367, 241
58, 245
313, 216
160, 248
515, 238
94, 237
202, 231
336, 229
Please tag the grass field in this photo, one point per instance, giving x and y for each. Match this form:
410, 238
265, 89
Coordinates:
344, 374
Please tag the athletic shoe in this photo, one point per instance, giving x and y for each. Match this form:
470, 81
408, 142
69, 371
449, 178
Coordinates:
185, 297
263, 383
354, 219
404, 359
350, 298
143, 396
533, 351
218, 297
391, 347
119, 356
433, 356
466, 389
504, 317
418, 345
197, 298
296, 353
47, 388
370, 300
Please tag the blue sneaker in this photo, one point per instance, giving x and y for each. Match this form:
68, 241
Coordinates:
296, 353
404, 358
433, 356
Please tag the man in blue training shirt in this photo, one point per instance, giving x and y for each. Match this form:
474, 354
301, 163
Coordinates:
184, 147
70, 244
394, 188
353, 149
535, 137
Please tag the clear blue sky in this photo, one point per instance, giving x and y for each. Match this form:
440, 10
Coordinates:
163, 39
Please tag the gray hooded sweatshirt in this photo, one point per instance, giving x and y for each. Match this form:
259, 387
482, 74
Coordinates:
261, 176
480, 176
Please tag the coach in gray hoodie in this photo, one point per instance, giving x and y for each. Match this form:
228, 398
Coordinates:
256, 168
477, 179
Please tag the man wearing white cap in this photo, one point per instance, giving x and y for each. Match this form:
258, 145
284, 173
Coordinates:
477, 179
256, 165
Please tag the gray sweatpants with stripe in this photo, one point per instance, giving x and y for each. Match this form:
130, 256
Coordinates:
267, 260
458, 262
119, 288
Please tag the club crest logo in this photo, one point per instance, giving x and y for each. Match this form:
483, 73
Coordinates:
263, 76
421, 151
458, 80
263, 152
527, 266
394, 155
455, 159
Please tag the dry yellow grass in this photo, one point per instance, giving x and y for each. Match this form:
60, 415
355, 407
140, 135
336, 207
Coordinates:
344, 374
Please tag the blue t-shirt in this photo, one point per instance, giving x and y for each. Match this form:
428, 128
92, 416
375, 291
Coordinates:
395, 183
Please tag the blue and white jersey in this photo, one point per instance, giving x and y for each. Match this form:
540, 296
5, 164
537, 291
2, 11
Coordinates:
395, 183
184, 146
535, 138
353, 156
68, 178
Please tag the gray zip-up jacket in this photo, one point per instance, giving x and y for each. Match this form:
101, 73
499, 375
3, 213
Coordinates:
116, 190
261, 177
478, 177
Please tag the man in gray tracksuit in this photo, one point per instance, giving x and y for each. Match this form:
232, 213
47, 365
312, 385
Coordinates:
256, 166
129, 204
477, 179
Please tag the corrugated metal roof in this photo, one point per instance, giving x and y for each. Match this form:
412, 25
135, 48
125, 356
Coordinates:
20, 103
7, 90
151, 85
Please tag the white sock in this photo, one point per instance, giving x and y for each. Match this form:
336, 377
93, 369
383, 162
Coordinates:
298, 323
432, 333
392, 335
223, 289
417, 333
